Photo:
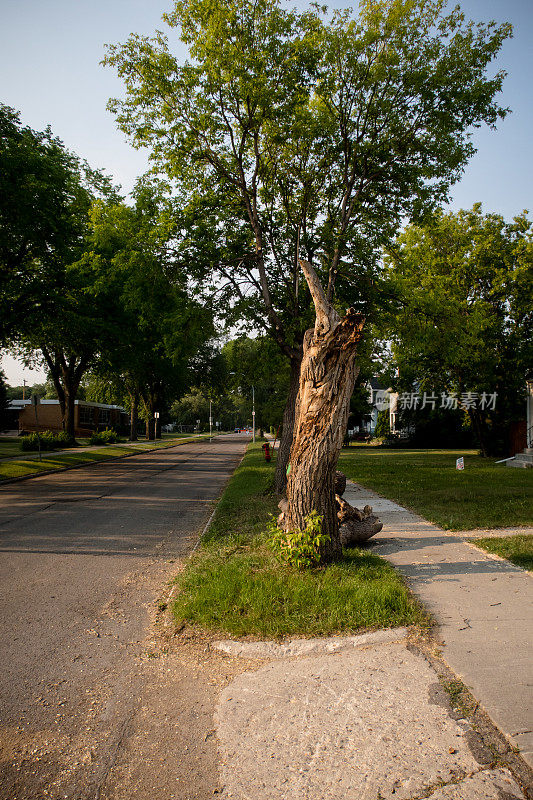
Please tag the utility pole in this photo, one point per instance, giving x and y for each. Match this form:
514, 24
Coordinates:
253, 412
24, 388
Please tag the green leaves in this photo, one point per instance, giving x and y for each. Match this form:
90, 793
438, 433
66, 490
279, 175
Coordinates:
319, 134
298, 548
463, 317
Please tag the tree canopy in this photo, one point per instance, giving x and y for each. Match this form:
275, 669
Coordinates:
463, 319
317, 134
45, 194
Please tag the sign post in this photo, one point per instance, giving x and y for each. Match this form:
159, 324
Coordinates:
156, 417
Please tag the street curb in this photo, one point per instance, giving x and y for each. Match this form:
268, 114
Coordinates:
6, 481
295, 648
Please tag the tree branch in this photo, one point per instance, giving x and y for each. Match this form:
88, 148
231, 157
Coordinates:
326, 316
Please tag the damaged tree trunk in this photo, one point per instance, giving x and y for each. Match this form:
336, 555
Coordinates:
327, 379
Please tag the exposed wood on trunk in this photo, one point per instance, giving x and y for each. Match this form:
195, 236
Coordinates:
356, 526
327, 378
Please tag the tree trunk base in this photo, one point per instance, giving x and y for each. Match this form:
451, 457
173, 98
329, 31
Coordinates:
355, 526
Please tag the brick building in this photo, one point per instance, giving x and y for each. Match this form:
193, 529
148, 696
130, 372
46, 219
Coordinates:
88, 417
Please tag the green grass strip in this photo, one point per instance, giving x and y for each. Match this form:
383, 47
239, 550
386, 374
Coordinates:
516, 549
484, 495
234, 586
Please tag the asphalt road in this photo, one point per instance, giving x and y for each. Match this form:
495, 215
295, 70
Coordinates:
86, 556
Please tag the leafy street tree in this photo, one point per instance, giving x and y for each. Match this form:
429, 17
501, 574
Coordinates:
44, 214
88, 280
229, 378
44, 198
463, 320
257, 366
157, 327
319, 136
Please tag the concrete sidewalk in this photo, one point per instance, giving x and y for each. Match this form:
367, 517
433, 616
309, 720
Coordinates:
359, 718
366, 717
483, 606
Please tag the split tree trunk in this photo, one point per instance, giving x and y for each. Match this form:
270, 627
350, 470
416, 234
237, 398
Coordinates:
327, 379
66, 374
287, 428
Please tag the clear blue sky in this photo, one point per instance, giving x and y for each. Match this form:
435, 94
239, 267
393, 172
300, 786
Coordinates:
50, 53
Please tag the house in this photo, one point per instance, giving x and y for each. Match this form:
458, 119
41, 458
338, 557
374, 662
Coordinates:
524, 435
381, 398
88, 417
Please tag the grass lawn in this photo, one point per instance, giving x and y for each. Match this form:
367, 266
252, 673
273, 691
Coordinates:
9, 447
484, 495
234, 585
516, 549
17, 468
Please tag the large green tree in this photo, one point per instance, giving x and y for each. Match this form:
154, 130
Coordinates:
46, 311
319, 135
45, 193
463, 318
156, 326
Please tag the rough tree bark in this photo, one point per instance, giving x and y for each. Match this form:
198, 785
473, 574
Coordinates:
327, 378
287, 428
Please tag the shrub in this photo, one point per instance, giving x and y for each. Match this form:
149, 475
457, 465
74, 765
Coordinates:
104, 437
383, 423
63, 439
299, 548
49, 440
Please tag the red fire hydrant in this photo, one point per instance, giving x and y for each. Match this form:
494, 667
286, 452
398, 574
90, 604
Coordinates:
266, 450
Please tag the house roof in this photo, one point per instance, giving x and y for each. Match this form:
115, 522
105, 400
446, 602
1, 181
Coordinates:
19, 403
